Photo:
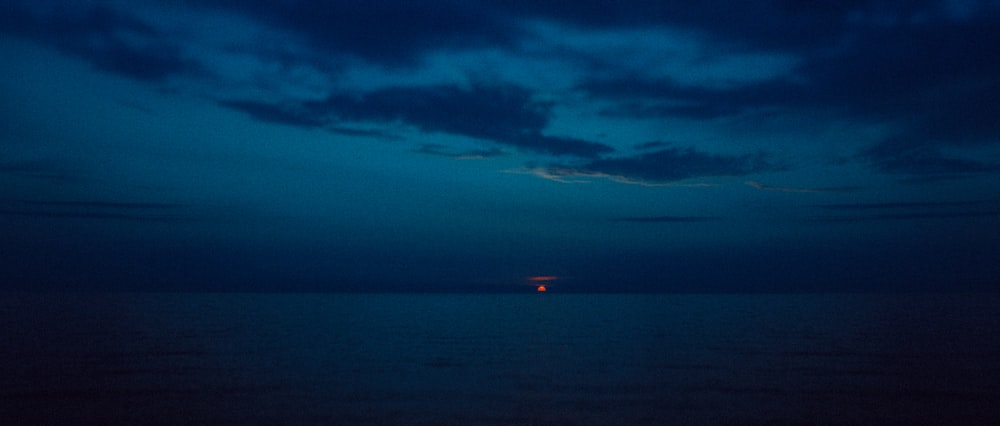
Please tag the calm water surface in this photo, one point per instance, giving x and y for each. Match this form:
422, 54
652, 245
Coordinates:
549, 359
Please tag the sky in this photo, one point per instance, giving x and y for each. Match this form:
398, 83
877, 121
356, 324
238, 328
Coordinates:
712, 146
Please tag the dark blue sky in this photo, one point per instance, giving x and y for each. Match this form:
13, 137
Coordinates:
469, 145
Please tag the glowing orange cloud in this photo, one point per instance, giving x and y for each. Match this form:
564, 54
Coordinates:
543, 278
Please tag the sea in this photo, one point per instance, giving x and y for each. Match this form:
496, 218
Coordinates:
499, 359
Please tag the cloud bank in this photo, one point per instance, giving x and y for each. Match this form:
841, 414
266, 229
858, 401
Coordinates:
866, 61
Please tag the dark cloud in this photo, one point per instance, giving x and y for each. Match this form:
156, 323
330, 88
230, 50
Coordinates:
556, 145
151, 62
921, 158
668, 219
878, 61
393, 33
113, 210
766, 23
398, 32
930, 72
364, 133
675, 164
651, 145
822, 190
112, 40
100, 205
39, 169
648, 97
911, 210
448, 152
503, 114
900, 205
900, 73
277, 114
915, 216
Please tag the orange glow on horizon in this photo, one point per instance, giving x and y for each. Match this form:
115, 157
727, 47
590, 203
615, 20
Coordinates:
541, 278
541, 289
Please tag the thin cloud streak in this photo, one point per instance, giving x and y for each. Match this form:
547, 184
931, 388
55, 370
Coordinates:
570, 175
912, 210
914, 216
900, 205
97, 215
114, 210
100, 204
664, 167
826, 190
447, 152
668, 219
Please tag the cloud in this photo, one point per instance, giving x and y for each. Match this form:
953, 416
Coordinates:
768, 24
664, 167
825, 190
921, 158
645, 96
556, 173
500, 112
675, 164
444, 151
574, 175
101, 205
924, 70
273, 113
132, 211
651, 145
111, 39
390, 33
911, 210
900, 205
915, 216
504, 114
868, 62
366, 133
668, 219
38, 169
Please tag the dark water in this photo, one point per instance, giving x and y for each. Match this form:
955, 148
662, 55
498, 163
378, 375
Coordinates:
499, 359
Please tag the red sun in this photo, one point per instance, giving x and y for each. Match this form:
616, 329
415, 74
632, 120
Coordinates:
540, 280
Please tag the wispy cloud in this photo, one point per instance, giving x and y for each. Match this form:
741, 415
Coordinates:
668, 219
112, 210
652, 145
448, 152
572, 175
901, 205
923, 161
911, 210
296, 116
663, 167
291, 115
38, 169
823, 190
914, 216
